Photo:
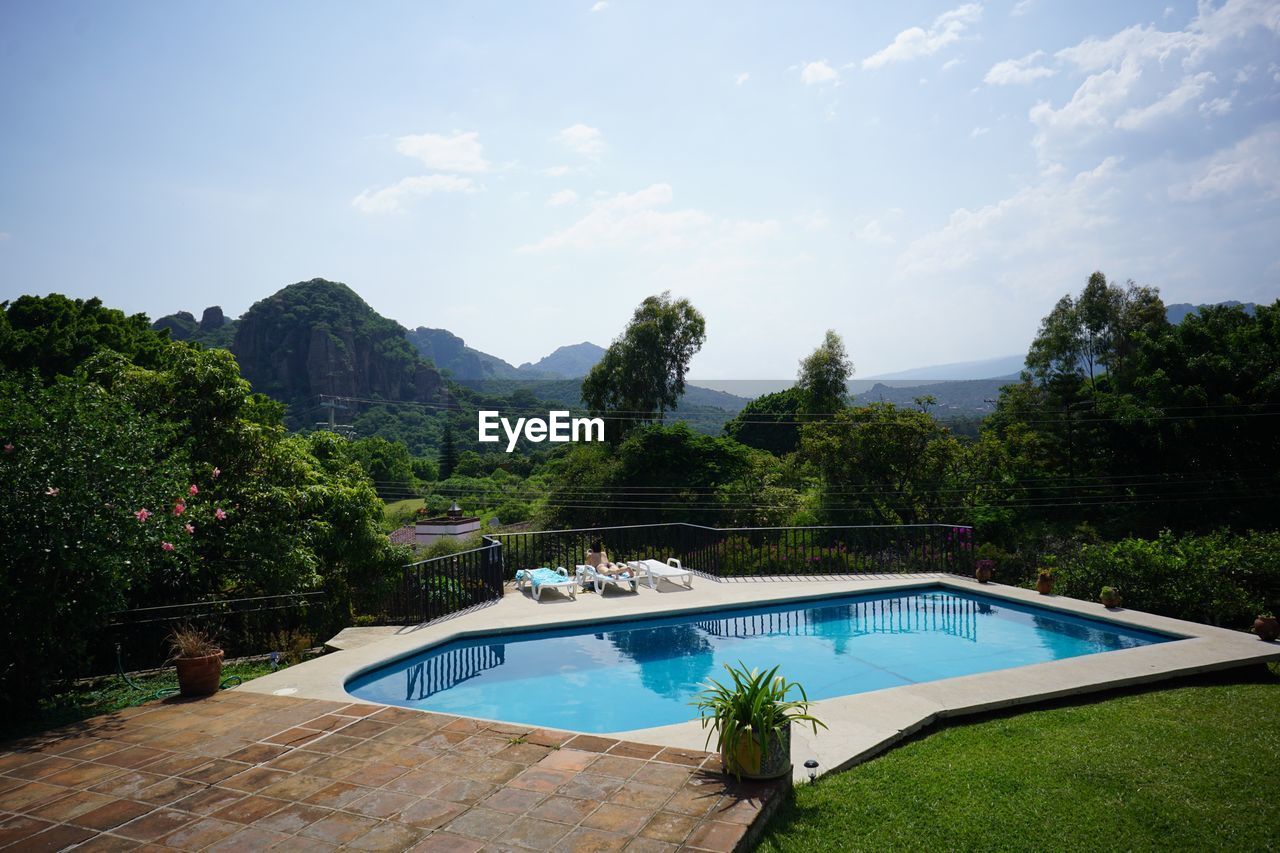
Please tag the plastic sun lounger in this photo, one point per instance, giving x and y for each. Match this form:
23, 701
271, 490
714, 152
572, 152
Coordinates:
540, 579
589, 575
670, 570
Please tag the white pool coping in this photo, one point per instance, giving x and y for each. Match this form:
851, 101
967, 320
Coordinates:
859, 725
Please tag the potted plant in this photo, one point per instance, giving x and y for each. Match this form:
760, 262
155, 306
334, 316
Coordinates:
983, 570
1045, 580
198, 660
1110, 597
1266, 627
751, 719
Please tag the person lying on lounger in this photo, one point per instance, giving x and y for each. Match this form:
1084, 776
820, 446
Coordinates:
599, 560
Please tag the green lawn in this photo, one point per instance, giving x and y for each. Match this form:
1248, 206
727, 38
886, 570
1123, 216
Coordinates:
1188, 768
400, 513
108, 694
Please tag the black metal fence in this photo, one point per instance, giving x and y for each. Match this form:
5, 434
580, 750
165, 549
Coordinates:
744, 552
430, 589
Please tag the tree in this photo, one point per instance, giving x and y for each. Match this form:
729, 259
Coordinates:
387, 463
448, 453
54, 334
824, 376
643, 370
770, 422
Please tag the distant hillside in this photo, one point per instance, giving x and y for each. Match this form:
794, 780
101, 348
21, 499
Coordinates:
573, 361
213, 329
1179, 311
449, 352
987, 368
319, 337
958, 397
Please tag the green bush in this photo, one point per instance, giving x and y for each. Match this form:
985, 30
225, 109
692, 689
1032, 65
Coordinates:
1219, 579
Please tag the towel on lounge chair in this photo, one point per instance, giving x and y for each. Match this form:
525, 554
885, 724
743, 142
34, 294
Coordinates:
538, 577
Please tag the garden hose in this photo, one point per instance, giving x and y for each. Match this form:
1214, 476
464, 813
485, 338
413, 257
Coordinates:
163, 692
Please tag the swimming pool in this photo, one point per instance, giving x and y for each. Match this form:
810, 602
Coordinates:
638, 674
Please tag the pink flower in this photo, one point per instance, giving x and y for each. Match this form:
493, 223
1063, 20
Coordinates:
180, 507
194, 490
191, 528
143, 514
166, 546
52, 492
219, 514
8, 448
216, 472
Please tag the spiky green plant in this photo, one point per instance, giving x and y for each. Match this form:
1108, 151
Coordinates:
755, 706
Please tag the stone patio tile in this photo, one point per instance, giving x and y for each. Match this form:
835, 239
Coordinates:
382, 803
249, 810
14, 829
713, 835
481, 823
548, 737
642, 751
295, 760
58, 837
134, 757
65, 808
465, 724
376, 774
671, 775
588, 786
333, 744
367, 728
258, 753
612, 817
387, 836
294, 737
466, 791
214, 771
589, 840
296, 787
108, 844
156, 825
12, 760
339, 827
82, 775
592, 743
563, 810
640, 795
85, 748
337, 795
429, 814
303, 844
249, 839
208, 801
254, 779
453, 763
411, 757
167, 790
46, 766
372, 750
742, 810
669, 827
200, 834
686, 757
481, 745
417, 782
397, 715
30, 795
130, 784
493, 770
335, 766
443, 739
524, 753
329, 723
513, 800
175, 764
533, 834
568, 759
292, 818
616, 766
112, 814
538, 779
359, 709
692, 801
443, 842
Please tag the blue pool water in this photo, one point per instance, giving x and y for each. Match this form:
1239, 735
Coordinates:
630, 675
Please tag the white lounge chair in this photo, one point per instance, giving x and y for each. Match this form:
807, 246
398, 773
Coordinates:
540, 579
589, 575
670, 570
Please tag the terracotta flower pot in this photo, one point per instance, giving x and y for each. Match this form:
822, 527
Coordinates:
199, 676
1111, 600
1044, 584
1267, 628
748, 762
982, 573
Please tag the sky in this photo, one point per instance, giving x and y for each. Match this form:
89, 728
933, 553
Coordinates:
925, 178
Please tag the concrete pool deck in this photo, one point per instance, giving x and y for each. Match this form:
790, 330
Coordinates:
859, 725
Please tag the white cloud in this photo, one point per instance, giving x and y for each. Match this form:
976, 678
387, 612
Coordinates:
916, 42
742, 78
979, 131
815, 221
587, 141
599, 6
952, 63
393, 198
1217, 106
1248, 168
1037, 218
561, 197
1021, 8
461, 152
1018, 71
871, 231
641, 220
1167, 105
818, 72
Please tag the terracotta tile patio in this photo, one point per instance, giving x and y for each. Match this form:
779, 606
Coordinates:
245, 771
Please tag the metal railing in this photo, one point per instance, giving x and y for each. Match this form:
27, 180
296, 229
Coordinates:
437, 587
744, 552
